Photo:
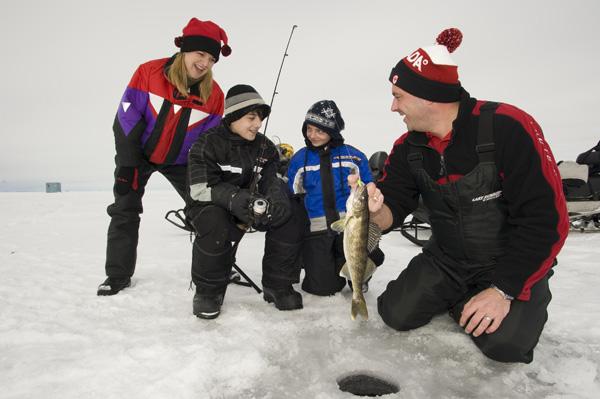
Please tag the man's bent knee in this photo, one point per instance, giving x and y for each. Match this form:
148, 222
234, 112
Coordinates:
505, 350
398, 317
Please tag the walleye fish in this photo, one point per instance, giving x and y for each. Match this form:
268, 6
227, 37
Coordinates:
359, 239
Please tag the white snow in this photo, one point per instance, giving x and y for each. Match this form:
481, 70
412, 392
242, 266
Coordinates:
59, 340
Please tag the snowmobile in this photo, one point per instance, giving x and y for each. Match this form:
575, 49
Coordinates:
581, 186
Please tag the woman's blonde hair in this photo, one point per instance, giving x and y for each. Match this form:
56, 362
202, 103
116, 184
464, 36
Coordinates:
177, 75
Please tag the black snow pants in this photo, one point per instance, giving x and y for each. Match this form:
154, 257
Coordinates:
323, 258
431, 285
217, 238
121, 248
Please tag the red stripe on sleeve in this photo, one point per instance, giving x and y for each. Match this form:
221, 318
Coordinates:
552, 176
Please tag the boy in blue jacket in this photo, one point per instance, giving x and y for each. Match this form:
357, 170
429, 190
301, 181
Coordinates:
319, 173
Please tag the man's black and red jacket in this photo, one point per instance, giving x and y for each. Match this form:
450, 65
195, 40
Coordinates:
531, 187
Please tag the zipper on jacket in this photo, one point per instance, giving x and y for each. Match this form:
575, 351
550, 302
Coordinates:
443, 169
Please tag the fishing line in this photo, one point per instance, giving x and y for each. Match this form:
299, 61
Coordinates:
263, 147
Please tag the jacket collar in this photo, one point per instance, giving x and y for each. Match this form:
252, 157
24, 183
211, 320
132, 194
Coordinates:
194, 90
465, 110
236, 139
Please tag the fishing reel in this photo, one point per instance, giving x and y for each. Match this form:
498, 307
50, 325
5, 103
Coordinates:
259, 207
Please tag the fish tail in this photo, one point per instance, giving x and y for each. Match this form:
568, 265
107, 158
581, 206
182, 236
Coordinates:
359, 306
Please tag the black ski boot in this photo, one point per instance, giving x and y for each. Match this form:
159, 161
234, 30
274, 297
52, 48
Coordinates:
207, 306
284, 298
112, 285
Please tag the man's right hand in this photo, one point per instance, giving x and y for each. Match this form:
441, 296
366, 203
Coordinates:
380, 214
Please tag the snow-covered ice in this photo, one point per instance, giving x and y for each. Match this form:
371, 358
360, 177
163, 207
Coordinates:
59, 340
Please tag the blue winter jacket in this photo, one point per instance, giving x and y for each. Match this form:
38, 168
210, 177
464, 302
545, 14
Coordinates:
304, 177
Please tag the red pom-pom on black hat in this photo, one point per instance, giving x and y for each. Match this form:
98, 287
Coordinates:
225, 50
451, 38
179, 41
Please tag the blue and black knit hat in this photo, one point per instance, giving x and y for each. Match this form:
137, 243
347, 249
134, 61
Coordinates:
326, 116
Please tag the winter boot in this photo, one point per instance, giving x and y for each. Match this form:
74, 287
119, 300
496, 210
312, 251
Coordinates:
112, 285
207, 306
284, 298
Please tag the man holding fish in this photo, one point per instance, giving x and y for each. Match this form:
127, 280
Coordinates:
498, 216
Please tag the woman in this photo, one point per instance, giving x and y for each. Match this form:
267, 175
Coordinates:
167, 105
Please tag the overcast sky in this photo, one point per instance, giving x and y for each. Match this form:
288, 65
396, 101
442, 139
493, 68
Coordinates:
66, 63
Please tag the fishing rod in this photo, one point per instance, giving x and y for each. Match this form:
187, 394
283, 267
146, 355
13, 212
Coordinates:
285, 54
258, 165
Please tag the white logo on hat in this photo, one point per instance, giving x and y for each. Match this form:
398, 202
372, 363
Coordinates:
328, 112
416, 58
395, 79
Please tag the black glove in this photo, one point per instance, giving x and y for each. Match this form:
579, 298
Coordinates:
279, 212
239, 205
126, 179
261, 221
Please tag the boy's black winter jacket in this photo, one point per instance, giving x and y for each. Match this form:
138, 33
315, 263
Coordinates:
221, 162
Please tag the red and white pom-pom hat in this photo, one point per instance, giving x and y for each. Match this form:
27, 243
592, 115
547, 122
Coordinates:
430, 72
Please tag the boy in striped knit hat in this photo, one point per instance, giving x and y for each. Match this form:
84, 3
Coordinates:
231, 167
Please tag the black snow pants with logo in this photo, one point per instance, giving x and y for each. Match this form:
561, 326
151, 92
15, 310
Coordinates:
121, 248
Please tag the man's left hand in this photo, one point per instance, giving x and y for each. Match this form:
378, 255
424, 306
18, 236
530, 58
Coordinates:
484, 312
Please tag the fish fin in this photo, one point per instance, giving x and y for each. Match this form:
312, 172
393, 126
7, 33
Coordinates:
374, 237
344, 272
338, 225
359, 306
371, 267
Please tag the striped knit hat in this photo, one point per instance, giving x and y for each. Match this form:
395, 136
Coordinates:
240, 100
